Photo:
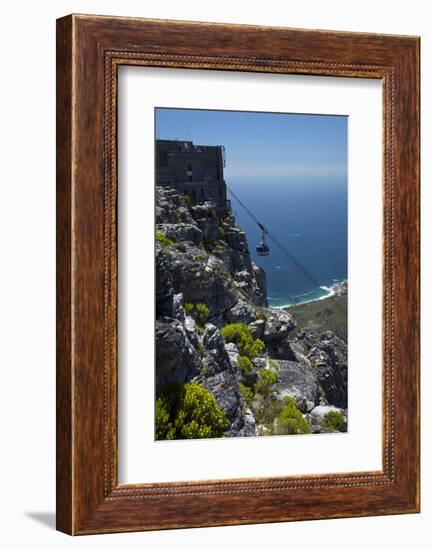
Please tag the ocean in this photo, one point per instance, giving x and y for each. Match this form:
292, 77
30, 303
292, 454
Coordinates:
309, 218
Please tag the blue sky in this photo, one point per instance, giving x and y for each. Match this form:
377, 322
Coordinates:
276, 146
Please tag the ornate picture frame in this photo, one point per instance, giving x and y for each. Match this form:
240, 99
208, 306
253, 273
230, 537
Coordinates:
89, 51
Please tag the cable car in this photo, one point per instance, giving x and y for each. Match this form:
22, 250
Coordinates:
262, 249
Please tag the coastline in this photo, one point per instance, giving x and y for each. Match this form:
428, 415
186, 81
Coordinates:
337, 289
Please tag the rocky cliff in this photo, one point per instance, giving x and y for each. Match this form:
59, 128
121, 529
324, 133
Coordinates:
213, 328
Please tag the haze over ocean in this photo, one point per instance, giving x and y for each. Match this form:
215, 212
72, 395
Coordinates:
291, 171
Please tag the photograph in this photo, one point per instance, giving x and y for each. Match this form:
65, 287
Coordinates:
251, 271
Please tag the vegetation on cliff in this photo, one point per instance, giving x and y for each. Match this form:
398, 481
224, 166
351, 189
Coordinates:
188, 411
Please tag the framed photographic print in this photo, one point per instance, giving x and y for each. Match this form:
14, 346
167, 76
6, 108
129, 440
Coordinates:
237, 274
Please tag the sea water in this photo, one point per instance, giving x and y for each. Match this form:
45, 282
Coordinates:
309, 218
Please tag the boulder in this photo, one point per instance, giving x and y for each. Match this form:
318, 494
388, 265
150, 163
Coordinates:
201, 282
319, 412
191, 330
249, 428
216, 358
176, 359
224, 387
258, 327
241, 312
328, 358
295, 380
178, 307
233, 353
278, 325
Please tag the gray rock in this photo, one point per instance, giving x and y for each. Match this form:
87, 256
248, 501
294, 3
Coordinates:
327, 356
319, 412
191, 330
295, 380
221, 379
299, 382
299, 352
233, 353
185, 232
231, 348
329, 361
202, 282
216, 358
170, 206
246, 282
258, 327
206, 219
241, 312
176, 359
278, 325
178, 307
209, 228
236, 238
164, 285
249, 428
260, 278
224, 386
318, 429
281, 349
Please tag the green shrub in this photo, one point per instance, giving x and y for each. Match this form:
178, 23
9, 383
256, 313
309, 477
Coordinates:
163, 240
187, 199
164, 427
268, 378
274, 365
246, 392
334, 421
242, 335
244, 364
188, 308
199, 312
291, 420
200, 257
189, 412
266, 409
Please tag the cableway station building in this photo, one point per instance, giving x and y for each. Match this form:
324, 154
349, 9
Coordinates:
196, 170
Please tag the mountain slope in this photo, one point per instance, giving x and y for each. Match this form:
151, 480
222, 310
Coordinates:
215, 331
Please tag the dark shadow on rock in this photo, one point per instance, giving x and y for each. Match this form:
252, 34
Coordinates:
45, 518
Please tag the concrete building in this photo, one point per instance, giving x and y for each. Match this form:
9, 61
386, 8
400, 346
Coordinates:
193, 169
